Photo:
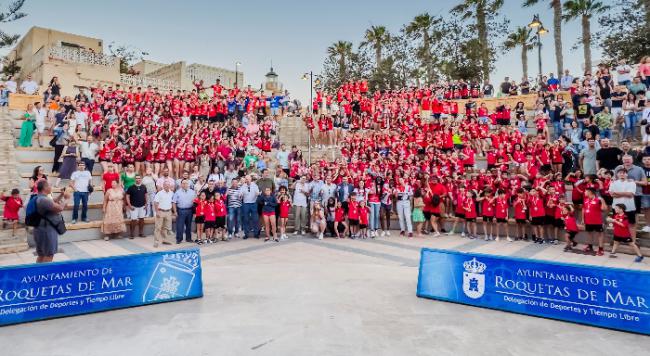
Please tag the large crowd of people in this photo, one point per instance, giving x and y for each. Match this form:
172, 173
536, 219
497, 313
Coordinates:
208, 165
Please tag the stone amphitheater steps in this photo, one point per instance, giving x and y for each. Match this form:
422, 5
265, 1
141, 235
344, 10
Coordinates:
9, 179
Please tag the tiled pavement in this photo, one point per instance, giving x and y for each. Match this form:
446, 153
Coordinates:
403, 251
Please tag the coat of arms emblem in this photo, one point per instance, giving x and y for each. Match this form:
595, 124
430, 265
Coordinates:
473, 278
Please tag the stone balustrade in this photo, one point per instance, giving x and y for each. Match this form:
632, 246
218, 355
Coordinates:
140, 81
77, 55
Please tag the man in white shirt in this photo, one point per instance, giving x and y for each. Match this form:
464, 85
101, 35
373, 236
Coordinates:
300, 192
79, 181
566, 80
80, 118
162, 203
623, 190
624, 73
28, 86
40, 113
89, 150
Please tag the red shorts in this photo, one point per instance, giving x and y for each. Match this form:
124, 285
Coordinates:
268, 213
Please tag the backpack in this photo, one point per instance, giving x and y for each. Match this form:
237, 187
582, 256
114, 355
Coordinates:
32, 217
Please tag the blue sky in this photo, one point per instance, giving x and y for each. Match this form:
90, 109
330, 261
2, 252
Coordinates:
293, 34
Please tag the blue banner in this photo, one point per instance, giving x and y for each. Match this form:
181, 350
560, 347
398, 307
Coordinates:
599, 296
50, 290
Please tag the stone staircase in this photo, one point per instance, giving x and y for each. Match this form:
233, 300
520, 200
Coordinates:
9, 179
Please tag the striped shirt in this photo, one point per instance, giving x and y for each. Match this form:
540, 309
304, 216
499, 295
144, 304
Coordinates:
234, 197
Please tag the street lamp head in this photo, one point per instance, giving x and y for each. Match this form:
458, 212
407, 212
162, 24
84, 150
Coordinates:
535, 23
237, 63
542, 30
305, 76
317, 82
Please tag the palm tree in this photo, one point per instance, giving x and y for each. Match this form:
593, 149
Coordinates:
342, 50
556, 5
480, 10
521, 37
377, 37
421, 27
585, 10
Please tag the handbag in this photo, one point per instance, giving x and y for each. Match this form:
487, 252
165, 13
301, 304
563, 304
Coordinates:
90, 188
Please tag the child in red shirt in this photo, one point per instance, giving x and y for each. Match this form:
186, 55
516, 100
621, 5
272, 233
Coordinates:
501, 214
521, 214
285, 207
353, 215
339, 220
537, 215
469, 204
364, 211
570, 227
210, 219
199, 219
13, 203
592, 210
220, 212
488, 200
622, 232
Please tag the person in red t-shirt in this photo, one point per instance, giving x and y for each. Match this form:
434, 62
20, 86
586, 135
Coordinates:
570, 227
622, 232
199, 218
353, 215
220, 212
13, 203
537, 215
284, 200
488, 202
469, 204
339, 220
501, 214
521, 214
592, 211
210, 219
364, 212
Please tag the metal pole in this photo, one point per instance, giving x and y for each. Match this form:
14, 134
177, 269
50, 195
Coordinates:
236, 74
311, 112
539, 56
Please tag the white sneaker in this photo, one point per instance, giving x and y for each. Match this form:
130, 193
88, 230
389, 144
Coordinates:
646, 228
509, 239
437, 234
383, 233
320, 236
295, 232
462, 234
498, 239
487, 238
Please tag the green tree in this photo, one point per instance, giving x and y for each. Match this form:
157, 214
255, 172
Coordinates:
10, 67
127, 55
480, 11
556, 5
12, 13
584, 10
623, 31
521, 37
342, 50
377, 37
424, 27
460, 52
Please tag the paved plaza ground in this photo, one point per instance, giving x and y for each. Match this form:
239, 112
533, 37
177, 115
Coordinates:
311, 297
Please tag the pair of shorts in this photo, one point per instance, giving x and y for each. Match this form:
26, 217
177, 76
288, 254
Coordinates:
210, 224
608, 200
354, 222
501, 220
427, 215
594, 227
220, 223
645, 202
538, 220
138, 213
572, 234
275, 111
625, 240
559, 223
488, 218
521, 221
363, 226
549, 220
459, 215
199, 219
470, 219
268, 213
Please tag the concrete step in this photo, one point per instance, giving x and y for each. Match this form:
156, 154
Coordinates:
26, 166
24, 181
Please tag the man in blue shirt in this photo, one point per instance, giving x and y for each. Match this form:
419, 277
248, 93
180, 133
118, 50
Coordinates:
182, 202
553, 83
275, 102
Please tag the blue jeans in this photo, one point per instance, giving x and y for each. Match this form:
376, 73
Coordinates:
251, 219
374, 216
184, 224
606, 133
83, 198
630, 123
234, 220
558, 130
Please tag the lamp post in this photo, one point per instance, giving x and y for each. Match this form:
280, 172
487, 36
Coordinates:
237, 64
310, 109
541, 30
